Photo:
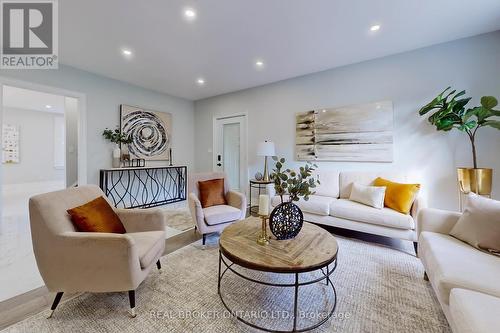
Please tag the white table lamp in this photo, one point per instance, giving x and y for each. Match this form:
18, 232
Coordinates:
266, 149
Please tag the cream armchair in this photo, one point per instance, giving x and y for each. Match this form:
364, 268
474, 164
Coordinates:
72, 261
215, 218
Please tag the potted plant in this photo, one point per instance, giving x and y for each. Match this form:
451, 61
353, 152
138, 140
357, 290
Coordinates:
117, 137
286, 219
449, 112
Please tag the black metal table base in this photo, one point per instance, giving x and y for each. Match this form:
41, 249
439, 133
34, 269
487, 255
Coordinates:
295, 285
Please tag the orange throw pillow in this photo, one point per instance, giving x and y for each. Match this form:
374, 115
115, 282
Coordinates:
212, 192
96, 216
399, 197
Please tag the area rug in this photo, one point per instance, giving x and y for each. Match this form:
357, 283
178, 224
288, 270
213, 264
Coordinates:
379, 289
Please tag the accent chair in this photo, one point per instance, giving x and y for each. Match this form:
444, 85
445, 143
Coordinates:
214, 218
71, 261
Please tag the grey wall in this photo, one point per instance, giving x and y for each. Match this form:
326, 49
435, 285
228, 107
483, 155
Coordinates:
103, 99
36, 147
409, 80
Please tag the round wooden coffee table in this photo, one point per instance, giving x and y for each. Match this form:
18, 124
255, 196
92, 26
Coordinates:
312, 250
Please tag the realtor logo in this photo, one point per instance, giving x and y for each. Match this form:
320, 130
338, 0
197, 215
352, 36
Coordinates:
29, 34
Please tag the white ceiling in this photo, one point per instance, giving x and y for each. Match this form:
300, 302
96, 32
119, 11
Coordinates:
293, 37
32, 100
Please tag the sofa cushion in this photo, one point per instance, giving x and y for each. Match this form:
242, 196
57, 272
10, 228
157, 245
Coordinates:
354, 211
316, 204
398, 196
149, 245
372, 196
479, 224
472, 312
346, 180
451, 263
221, 214
329, 183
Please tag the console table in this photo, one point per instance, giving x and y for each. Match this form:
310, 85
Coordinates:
144, 187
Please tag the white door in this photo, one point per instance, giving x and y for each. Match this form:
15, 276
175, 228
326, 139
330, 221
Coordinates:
230, 154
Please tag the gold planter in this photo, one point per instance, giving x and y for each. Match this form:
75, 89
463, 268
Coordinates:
478, 181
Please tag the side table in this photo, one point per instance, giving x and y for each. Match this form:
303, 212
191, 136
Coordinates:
257, 185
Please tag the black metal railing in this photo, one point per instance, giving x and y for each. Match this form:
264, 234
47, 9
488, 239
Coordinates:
144, 187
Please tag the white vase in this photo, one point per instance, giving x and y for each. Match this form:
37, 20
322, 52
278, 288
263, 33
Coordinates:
116, 156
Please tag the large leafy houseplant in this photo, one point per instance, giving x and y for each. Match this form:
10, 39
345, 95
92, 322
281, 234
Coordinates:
294, 183
449, 112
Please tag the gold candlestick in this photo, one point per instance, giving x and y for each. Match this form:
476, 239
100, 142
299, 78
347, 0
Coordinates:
262, 239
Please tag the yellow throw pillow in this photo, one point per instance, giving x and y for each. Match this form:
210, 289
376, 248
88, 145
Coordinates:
398, 196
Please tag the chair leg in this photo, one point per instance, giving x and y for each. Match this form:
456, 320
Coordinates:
158, 264
426, 278
131, 298
204, 239
57, 299
415, 245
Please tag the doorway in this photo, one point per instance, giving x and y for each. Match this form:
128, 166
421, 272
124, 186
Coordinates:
40, 138
230, 150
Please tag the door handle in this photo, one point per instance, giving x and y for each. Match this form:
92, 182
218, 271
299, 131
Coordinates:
219, 164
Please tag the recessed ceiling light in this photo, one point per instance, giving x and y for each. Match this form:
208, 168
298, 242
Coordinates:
200, 81
189, 13
259, 63
127, 52
375, 27
48, 106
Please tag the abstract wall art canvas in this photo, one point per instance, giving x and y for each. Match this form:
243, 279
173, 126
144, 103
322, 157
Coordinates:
10, 143
151, 132
360, 133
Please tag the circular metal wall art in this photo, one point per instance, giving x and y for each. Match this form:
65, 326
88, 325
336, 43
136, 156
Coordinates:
286, 220
149, 133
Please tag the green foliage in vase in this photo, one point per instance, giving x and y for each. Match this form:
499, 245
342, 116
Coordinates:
116, 136
294, 183
449, 111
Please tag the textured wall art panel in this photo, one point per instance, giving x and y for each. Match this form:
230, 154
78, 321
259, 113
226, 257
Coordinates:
151, 132
361, 133
10, 143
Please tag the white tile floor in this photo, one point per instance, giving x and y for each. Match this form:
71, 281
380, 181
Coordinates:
18, 270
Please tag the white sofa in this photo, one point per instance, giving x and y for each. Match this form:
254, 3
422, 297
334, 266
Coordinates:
465, 280
330, 205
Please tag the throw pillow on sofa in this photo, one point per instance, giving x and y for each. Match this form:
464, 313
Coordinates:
479, 224
368, 195
399, 197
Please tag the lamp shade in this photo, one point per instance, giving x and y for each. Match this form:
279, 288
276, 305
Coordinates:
266, 148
